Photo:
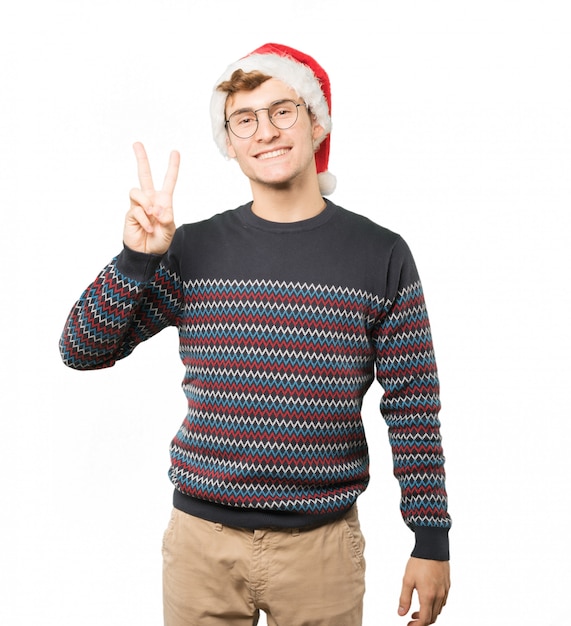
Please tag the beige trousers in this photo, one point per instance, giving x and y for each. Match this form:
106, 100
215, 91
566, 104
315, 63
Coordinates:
214, 575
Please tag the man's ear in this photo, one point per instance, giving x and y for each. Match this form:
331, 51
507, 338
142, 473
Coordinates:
317, 133
230, 147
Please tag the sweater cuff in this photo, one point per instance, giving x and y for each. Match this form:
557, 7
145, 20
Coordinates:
137, 266
431, 543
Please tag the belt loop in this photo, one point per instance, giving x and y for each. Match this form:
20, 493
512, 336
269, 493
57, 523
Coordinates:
218, 527
295, 532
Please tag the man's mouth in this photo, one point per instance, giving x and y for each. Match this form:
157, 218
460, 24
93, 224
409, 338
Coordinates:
271, 155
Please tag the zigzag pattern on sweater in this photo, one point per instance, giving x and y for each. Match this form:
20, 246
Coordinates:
407, 371
275, 376
275, 373
115, 314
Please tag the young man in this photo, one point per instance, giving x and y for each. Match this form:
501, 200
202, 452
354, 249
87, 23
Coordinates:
287, 308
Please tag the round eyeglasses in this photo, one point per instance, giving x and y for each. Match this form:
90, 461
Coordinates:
282, 114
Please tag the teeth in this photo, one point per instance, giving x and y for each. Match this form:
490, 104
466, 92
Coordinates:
269, 155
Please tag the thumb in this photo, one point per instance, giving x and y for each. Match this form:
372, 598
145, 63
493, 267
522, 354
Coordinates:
405, 599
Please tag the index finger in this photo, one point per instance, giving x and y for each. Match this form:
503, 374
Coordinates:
172, 172
143, 167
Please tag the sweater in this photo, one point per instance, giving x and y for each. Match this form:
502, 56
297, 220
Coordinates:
282, 329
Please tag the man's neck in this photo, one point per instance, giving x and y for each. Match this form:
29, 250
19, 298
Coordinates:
286, 205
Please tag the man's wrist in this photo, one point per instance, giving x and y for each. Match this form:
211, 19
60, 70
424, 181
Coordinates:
138, 266
431, 543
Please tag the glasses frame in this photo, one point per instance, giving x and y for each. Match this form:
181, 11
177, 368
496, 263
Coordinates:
255, 112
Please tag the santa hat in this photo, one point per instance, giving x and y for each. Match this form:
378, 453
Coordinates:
300, 72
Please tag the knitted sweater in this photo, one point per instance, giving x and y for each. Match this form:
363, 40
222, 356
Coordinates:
283, 328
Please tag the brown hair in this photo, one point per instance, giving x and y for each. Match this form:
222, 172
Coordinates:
243, 81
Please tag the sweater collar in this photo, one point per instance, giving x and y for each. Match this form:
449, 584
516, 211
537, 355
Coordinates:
251, 220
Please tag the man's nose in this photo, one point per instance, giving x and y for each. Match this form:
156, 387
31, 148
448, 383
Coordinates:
266, 129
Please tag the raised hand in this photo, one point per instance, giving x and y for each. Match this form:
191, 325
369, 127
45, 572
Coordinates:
149, 223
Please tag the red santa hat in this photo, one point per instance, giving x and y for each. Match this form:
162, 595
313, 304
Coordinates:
300, 72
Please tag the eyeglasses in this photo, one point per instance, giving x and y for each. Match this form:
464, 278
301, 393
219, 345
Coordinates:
282, 114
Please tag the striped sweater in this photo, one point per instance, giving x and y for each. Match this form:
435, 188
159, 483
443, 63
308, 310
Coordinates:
283, 328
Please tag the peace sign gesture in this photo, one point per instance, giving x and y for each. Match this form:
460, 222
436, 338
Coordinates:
149, 223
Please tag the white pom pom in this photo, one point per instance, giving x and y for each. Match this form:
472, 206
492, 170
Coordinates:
327, 183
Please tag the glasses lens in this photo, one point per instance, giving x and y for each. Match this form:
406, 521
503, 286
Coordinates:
243, 123
283, 114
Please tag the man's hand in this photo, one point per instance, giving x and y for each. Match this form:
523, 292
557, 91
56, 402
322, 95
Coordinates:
431, 579
149, 223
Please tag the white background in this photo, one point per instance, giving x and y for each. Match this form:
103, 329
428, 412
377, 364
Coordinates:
451, 126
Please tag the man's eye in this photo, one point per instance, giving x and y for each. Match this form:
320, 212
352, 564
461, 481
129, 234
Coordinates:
246, 120
283, 112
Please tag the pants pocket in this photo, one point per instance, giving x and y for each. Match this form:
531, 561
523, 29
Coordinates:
169, 530
355, 538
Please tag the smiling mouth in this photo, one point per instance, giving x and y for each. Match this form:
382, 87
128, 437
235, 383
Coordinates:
271, 155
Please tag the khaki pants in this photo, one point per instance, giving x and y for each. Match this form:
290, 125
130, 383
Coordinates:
214, 575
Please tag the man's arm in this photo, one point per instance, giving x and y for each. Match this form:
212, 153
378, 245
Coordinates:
132, 298
406, 369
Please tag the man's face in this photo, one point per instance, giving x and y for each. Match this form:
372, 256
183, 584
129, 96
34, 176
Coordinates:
272, 156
